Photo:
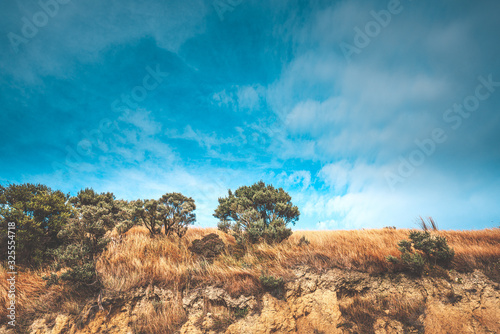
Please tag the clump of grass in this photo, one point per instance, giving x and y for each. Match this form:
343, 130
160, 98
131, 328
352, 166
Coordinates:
160, 317
429, 225
405, 309
363, 310
360, 311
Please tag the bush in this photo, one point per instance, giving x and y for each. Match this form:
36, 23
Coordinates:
434, 247
275, 286
257, 213
86, 234
209, 247
423, 249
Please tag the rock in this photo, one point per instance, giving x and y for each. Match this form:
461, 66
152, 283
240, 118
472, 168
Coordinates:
193, 300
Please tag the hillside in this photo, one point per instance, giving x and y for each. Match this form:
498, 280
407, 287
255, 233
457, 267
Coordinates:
339, 282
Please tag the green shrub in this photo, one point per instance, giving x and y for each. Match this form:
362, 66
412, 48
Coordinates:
422, 249
86, 234
273, 285
434, 247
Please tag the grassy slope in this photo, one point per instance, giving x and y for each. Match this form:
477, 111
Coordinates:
138, 260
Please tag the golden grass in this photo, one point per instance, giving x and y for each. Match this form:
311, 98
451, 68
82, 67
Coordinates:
160, 317
140, 260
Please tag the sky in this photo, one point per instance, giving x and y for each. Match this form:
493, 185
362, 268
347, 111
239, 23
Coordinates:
369, 113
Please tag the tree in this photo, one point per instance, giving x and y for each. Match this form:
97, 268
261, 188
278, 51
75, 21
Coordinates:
257, 212
150, 213
173, 211
39, 213
179, 213
87, 234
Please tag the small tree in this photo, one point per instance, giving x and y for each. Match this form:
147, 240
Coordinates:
257, 212
150, 213
39, 213
173, 211
179, 213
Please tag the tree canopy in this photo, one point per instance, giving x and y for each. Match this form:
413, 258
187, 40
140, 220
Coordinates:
257, 212
39, 213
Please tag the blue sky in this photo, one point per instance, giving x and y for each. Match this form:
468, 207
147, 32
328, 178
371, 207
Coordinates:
370, 113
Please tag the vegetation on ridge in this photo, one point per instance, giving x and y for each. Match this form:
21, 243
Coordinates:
101, 241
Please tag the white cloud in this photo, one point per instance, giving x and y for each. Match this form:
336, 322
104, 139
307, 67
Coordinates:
240, 98
248, 97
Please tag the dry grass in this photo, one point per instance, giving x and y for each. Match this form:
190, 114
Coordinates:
140, 260
363, 311
440, 319
160, 317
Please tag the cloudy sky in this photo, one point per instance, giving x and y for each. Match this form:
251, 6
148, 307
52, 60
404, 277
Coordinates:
370, 113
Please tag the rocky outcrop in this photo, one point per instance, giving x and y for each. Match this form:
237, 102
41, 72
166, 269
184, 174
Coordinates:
335, 301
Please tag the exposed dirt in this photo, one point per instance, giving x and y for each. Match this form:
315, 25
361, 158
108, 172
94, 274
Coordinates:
335, 301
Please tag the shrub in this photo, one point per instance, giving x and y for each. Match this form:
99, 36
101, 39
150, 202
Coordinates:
257, 213
209, 247
86, 234
273, 285
423, 248
434, 247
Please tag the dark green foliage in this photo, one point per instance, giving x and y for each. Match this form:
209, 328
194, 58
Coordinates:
434, 247
422, 249
240, 312
415, 262
173, 211
150, 213
39, 213
275, 286
257, 213
86, 234
208, 247
180, 213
